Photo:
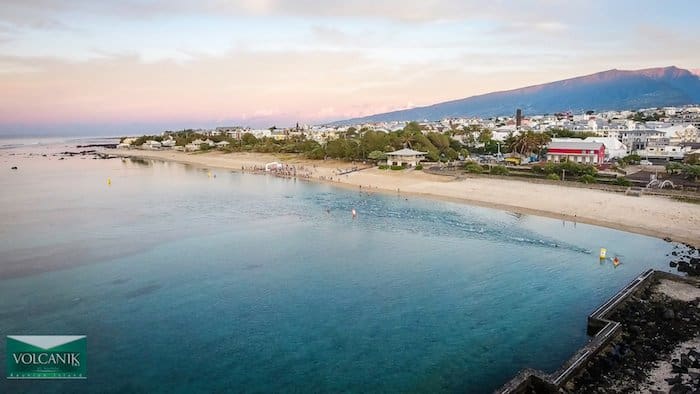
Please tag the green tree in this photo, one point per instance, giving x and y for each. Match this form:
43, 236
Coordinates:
485, 135
587, 179
622, 181
336, 149
373, 141
408, 138
530, 142
317, 153
631, 159
674, 168
691, 172
413, 127
474, 168
377, 155
566, 133
440, 141
499, 170
248, 139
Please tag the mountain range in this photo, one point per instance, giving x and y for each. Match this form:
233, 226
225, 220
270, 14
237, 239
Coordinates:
607, 90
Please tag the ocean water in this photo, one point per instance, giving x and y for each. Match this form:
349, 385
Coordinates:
185, 282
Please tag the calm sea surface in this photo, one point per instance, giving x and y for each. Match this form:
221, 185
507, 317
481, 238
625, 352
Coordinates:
187, 283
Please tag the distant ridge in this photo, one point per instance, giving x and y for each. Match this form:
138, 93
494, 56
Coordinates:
606, 90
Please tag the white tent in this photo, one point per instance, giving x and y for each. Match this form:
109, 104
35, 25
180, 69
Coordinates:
273, 166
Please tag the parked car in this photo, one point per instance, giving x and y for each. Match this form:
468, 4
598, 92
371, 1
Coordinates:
645, 163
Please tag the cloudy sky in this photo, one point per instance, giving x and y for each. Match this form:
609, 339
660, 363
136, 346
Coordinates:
101, 67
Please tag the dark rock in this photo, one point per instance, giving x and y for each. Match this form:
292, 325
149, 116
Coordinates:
680, 389
636, 330
13, 168
669, 314
673, 264
674, 380
685, 361
675, 368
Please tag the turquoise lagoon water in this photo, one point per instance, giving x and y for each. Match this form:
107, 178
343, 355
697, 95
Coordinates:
245, 283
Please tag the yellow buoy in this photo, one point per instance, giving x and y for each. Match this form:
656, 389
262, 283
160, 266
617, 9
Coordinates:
109, 181
603, 252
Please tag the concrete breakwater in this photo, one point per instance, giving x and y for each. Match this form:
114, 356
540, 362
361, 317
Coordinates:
603, 330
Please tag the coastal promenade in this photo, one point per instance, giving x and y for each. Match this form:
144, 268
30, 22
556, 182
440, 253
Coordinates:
655, 216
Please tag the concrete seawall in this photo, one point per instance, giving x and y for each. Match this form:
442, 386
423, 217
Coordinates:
602, 331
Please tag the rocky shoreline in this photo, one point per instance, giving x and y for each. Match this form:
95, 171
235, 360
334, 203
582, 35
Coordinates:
686, 259
651, 354
656, 345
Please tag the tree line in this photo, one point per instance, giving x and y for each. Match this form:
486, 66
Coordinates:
366, 144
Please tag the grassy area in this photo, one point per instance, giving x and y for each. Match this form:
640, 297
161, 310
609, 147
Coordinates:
688, 199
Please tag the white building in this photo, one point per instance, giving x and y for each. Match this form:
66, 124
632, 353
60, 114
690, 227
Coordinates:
681, 134
613, 147
197, 144
668, 152
405, 157
151, 144
637, 139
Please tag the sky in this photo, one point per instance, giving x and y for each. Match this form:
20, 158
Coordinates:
128, 67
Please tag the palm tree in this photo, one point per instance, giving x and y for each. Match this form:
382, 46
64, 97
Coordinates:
529, 142
407, 138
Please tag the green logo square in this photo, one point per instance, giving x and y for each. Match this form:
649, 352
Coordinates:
46, 357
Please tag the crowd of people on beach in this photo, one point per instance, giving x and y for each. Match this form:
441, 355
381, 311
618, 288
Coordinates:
306, 172
282, 170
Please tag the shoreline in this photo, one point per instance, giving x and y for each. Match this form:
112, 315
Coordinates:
654, 216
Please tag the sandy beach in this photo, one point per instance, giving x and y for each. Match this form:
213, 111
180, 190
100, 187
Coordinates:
650, 215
